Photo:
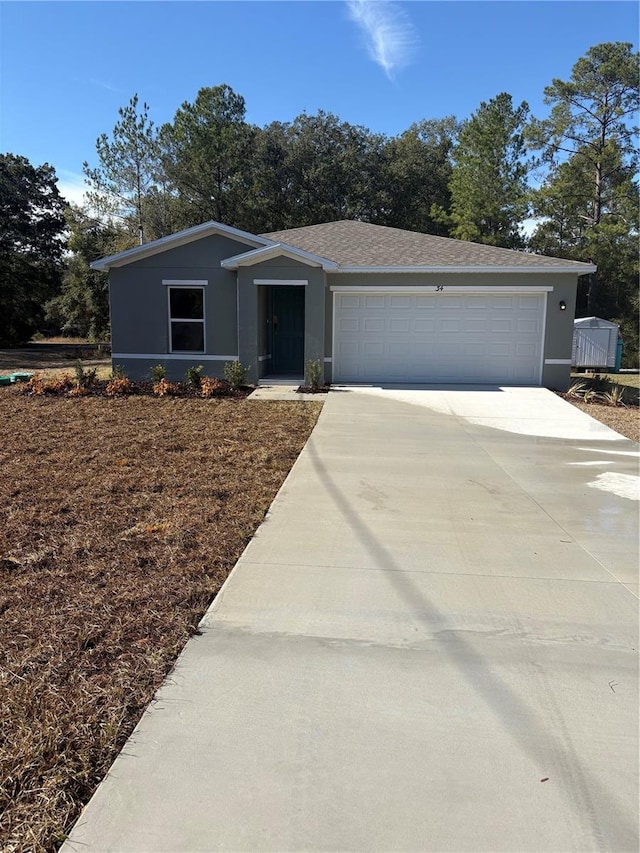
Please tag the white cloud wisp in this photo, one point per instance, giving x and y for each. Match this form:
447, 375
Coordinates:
390, 36
72, 187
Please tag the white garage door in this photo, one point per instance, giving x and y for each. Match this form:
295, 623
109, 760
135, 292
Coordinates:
438, 337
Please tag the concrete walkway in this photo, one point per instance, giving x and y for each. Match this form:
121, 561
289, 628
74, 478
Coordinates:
429, 645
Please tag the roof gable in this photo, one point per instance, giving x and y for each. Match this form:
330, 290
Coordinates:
594, 323
277, 250
181, 238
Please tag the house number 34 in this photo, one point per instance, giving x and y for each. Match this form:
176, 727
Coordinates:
439, 287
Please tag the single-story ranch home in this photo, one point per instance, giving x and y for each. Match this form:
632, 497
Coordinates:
372, 304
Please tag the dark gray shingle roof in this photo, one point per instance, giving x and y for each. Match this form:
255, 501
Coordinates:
355, 244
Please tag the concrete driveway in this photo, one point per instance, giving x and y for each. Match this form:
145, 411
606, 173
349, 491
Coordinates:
431, 644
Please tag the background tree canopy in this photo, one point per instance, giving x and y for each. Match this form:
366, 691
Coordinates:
473, 179
31, 246
588, 202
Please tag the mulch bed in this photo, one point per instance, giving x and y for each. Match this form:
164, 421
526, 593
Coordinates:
66, 385
119, 521
311, 389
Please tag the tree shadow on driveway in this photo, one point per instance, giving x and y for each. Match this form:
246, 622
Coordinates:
545, 745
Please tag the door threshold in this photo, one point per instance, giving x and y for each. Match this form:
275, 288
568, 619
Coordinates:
281, 380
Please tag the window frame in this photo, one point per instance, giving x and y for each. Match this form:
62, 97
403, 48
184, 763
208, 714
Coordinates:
182, 284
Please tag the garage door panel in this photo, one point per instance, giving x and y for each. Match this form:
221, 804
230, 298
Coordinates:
476, 325
375, 302
446, 301
500, 349
347, 348
502, 303
400, 301
398, 348
374, 324
524, 350
348, 301
525, 325
424, 325
527, 303
349, 324
501, 325
438, 337
475, 351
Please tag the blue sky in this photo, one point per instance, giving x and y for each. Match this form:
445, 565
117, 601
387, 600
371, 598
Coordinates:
66, 67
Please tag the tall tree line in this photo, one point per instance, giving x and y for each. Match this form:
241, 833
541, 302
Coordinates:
573, 175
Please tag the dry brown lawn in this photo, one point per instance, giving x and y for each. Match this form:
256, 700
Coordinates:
53, 361
119, 521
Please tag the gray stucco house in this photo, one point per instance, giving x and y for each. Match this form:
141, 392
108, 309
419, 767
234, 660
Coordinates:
373, 304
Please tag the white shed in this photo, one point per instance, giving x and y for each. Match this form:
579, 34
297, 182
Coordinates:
595, 343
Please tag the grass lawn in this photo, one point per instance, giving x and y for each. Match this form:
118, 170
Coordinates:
119, 521
51, 362
630, 379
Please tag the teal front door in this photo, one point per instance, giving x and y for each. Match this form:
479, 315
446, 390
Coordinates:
287, 325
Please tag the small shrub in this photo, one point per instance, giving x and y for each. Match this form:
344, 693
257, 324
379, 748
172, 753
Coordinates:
79, 391
34, 386
192, 378
119, 387
84, 378
597, 382
235, 374
158, 373
117, 372
164, 388
212, 387
576, 389
313, 373
39, 386
616, 395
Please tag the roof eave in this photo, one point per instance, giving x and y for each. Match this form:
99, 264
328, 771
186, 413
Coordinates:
584, 269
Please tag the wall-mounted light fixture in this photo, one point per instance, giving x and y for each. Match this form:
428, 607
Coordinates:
563, 305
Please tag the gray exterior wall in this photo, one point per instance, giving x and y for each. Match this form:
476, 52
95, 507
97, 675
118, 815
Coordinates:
558, 333
252, 306
139, 308
237, 310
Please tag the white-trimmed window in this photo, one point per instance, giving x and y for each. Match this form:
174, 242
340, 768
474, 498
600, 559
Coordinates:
186, 318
